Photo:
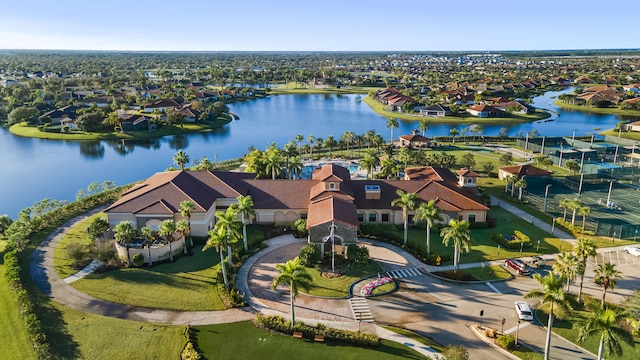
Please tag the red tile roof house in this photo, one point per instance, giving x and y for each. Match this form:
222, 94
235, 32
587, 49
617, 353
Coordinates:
330, 197
483, 111
522, 170
414, 140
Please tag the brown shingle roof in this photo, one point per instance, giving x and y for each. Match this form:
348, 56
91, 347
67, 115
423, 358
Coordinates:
528, 170
332, 209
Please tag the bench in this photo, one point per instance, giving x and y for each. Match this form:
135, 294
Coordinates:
318, 338
297, 334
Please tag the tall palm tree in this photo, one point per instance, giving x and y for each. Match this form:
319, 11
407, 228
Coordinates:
330, 142
186, 209
295, 167
520, 184
584, 211
430, 214
574, 206
181, 159
583, 249
149, 236
389, 167
310, 139
453, 133
229, 221
124, 233
217, 238
369, 162
295, 276
273, 162
458, 232
299, 139
606, 275
348, 137
567, 265
167, 229
392, 123
604, 322
182, 226
245, 209
407, 201
552, 296
565, 204
424, 126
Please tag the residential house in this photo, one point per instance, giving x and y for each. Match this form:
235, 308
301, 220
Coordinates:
484, 111
583, 80
522, 170
162, 106
436, 111
414, 140
632, 126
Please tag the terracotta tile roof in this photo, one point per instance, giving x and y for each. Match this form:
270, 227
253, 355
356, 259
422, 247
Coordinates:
280, 194
332, 209
415, 138
528, 170
466, 172
323, 173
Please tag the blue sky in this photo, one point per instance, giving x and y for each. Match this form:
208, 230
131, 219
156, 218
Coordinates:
319, 25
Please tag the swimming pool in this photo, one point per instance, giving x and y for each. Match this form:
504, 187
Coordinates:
307, 171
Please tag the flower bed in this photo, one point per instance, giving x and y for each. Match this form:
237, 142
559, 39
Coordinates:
367, 289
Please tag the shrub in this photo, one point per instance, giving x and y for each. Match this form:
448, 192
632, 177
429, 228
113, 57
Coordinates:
104, 251
310, 255
300, 228
190, 353
362, 255
455, 352
479, 225
231, 297
137, 260
78, 252
98, 227
506, 342
510, 244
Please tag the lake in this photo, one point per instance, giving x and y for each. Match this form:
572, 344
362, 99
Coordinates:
33, 169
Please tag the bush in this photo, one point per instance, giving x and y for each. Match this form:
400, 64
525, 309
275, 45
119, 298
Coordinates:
278, 324
300, 228
455, 352
510, 244
137, 260
78, 252
105, 251
310, 255
231, 297
190, 353
478, 225
506, 342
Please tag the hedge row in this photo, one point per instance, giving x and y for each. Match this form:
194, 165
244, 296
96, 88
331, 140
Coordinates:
26, 305
511, 244
278, 324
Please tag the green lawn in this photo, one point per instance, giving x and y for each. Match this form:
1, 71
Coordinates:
497, 272
485, 249
339, 287
15, 343
243, 340
78, 234
81, 335
187, 284
416, 337
569, 328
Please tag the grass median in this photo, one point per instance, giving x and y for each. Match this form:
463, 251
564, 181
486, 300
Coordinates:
338, 287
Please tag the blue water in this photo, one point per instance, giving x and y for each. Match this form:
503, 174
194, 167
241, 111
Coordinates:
33, 169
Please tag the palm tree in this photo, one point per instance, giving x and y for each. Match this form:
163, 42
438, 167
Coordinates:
429, 213
310, 139
453, 132
520, 184
181, 159
424, 126
392, 123
295, 167
583, 249
330, 142
552, 295
273, 162
299, 139
458, 232
149, 236
217, 238
124, 233
584, 211
606, 275
167, 229
229, 221
565, 204
574, 205
295, 276
244, 207
604, 322
567, 265
186, 209
348, 138
389, 167
407, 201
369, 162
182, 226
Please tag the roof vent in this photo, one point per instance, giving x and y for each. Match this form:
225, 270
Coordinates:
372, 192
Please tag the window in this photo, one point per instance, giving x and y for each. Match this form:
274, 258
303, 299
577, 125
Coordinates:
360, 217
472, 218
385, 217
410, 218
373, 217
332, 186
470, 180
303, 215
460, 218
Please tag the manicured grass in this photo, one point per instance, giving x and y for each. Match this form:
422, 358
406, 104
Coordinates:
525, 353
380, 108
189, 283
15, 343
497, 272
62, 263
243, 340
31, 131
484, 249
89, 336
633, 135
383, 289
339, 287
570, 326
611, 110
410, 334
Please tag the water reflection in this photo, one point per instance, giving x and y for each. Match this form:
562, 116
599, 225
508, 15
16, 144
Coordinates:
178, 142
93, 150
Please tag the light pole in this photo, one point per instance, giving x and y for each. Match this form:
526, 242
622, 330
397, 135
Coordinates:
526, 143
332, 229
546, 192
517, 331
573, 137
609, 193
582, 161
542, 148
615, 156
580, 186
553, 225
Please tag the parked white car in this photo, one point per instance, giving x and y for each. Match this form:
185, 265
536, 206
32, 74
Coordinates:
523, 310
632, 250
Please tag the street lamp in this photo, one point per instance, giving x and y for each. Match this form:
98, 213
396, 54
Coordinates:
546, 192
582, 160
332, 229
573, 137
542, 148
580, 186
609, 193
517, 331
553, 226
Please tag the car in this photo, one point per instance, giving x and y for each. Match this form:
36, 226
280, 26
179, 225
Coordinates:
523, 310
632, 250
537, 262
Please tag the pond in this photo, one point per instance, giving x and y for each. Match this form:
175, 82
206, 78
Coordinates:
33, 169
